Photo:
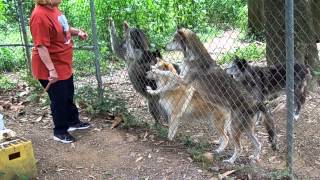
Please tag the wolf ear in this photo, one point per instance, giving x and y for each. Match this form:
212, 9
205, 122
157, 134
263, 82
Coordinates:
182, 34
157, 54
126, 26
179, 26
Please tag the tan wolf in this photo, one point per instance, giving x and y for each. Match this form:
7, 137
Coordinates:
181, 102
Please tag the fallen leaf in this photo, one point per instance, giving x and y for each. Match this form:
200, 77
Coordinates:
39, 119
92, 177
117, 120
208, 156
59, 170
221, 176
23, 120
139, 159
6, 105
23, 93
145, 136
96, 129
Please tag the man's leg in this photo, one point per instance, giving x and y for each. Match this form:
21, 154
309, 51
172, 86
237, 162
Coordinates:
73, 113
58, 97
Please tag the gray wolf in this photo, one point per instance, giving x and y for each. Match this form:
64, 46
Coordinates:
219, 89
266, 82
134, 49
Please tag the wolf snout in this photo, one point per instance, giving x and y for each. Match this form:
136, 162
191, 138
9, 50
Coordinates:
171, 46
150, 74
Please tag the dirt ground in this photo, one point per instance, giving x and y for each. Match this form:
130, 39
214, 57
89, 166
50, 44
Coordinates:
100, 153
104, 153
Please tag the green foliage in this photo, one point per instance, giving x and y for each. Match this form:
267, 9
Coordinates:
197, 150
230, 12
158, 18
280, 174
161, 131
6, 84
252, 52
36, 90
11, 59
88, 99
2, 12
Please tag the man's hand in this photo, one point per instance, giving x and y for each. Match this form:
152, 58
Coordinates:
83, 35
53, 78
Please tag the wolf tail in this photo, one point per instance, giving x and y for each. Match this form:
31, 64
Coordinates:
270, 125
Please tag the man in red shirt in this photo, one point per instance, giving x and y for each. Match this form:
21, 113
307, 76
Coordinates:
52, 65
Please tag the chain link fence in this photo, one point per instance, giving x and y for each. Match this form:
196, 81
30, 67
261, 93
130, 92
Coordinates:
226, 88
242, 80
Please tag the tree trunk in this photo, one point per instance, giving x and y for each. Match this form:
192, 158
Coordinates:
275, 31
305, 36
256, 18
315, 8
306, 16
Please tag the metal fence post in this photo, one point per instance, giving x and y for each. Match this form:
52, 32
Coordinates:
96, 47
25, 36
290, 81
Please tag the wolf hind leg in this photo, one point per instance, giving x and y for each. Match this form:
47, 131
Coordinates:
178, 112
235, 135
252, 136
223, 126
156, 110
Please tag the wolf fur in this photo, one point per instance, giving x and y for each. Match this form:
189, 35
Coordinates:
218, 88
265, 82
134, 49
182, 101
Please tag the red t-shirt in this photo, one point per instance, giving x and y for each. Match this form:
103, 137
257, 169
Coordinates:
50, 28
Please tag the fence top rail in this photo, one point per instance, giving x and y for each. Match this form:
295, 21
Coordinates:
29, 45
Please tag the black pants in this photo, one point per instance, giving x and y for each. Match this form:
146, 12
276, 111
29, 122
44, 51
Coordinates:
64, 111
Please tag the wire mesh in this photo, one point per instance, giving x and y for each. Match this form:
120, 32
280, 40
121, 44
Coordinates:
238, 89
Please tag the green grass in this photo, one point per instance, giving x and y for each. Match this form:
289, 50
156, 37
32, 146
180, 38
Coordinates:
6, 84
251, 52
11, 58
280, 174
209, 33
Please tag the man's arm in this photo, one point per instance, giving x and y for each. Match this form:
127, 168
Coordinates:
78, 32
46, 59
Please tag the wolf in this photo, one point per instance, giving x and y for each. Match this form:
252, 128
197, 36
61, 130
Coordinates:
266, 82
181, 102
134, 49
218, 88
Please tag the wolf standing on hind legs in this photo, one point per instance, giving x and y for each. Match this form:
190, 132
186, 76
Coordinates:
217, 87
134, 49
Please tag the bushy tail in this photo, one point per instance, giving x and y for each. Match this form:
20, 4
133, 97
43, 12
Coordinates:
270, 126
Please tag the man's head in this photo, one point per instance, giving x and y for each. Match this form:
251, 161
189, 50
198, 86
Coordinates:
48, 2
